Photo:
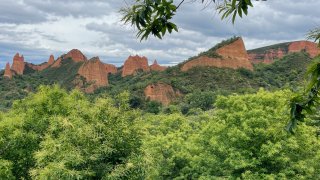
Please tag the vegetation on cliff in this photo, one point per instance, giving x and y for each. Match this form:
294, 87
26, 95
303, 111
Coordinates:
287, 72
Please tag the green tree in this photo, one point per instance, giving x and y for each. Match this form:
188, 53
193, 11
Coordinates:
60, 135
198, 99
153, 107
307, 102
246, 139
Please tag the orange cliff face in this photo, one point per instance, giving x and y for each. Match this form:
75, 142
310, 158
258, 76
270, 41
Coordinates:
76, 55
161, 92
112, 69
133, 64
95, 73
42, 66
233, 55
156, 67
51, 60
7, 71
269, 56
18, 64
309, 47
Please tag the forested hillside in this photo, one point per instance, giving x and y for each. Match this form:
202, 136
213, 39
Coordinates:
287, 72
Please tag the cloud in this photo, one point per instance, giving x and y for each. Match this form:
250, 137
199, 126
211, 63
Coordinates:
38, 28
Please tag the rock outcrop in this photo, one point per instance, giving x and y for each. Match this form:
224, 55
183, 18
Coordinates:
270, 54
42, 66
161, 92
156, 67
57, 63
309, 47
267, 57
18, 64
233, 55
75, 55
95, 73
134, 64
7, 71
111, 69
51, 60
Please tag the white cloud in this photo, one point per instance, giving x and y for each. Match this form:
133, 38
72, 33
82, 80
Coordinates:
38, 28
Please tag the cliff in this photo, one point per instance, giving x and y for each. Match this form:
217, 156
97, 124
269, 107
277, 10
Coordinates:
57, 63
95, 73
309, 47
134, 64
232, 55
43, 65
269, 54
75, 55
111, 69
7, 71
156, 67
18, 64
161, 92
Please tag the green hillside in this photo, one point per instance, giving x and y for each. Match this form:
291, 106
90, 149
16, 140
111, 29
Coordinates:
287, 72
283, 46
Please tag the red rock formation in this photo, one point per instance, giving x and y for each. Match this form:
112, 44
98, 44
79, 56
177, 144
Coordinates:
7, 71
156, 67
309, 47
18, 64
95, 73
43, 65
110, 68
75, 55
57, 63
133, 64
270, 55
161, 92
51, 60
234, 56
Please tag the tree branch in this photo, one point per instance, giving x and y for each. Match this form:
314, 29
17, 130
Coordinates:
180, 4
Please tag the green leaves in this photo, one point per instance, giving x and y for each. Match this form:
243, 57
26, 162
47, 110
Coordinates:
151, 17
234, 8
62, 135
314, 35
305, 103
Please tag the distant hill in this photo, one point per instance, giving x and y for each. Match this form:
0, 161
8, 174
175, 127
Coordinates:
226, 68
269, 54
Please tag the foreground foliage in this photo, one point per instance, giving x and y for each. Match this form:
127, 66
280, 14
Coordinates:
64, 136
53, 134
243, 138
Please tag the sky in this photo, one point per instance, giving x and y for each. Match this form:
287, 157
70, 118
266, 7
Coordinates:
39, 28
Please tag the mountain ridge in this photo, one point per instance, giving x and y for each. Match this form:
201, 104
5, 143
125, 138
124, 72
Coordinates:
171, 83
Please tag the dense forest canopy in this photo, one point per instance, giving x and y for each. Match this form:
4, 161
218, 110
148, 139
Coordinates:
63, 135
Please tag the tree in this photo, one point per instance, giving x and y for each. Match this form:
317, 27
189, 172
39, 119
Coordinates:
53, 134
246, 139
154, 16
243, 138
306, 103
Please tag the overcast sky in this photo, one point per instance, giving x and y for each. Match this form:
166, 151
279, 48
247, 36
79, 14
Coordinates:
38, 28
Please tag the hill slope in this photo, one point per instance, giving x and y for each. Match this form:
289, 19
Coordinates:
286, 72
